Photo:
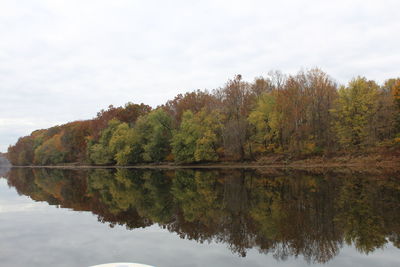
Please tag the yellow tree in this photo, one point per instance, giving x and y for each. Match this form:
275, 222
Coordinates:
395, 89
356, 107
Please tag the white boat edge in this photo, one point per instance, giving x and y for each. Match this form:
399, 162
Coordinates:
121, 264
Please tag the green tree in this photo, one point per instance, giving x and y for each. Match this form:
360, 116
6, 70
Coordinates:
125, 145
355, 109
264, 120
101, 153
196, 139
184, 140
153, 133
50, 152
131, 153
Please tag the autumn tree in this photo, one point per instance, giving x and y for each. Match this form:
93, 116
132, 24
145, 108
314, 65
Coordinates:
194, 101
393, 86
237, 101
292, 115
385, 121
322, 92
129, 114
74, 140
22, 153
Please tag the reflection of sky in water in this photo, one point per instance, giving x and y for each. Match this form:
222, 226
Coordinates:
37, 234
10, 201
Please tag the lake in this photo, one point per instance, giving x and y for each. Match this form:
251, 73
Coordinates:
200, 217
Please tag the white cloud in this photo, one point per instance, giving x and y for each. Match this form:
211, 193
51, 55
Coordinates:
65, 60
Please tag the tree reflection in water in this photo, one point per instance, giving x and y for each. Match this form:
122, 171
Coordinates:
286, 213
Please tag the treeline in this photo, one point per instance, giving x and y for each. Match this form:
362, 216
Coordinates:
3, 160
298, 115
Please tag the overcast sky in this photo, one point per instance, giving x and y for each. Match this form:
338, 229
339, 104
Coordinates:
65, 60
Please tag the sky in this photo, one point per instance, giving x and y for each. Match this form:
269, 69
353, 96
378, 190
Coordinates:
62, 61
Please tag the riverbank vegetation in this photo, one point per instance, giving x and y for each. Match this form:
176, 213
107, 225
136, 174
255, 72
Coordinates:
297, 116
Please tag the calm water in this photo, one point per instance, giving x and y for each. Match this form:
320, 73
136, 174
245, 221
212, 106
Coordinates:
51, 217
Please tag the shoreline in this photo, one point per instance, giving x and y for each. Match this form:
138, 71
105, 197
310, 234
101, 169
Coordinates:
235, 165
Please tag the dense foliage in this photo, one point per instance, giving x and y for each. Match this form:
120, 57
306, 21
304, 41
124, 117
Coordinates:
297, 115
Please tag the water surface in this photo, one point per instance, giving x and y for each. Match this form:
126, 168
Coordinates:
54, 217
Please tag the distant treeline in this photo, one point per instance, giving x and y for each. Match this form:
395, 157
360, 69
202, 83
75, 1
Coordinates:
300, 115
3, 160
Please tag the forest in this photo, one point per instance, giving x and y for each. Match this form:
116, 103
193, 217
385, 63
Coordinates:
293, 116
